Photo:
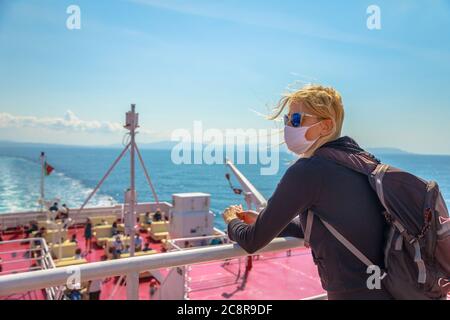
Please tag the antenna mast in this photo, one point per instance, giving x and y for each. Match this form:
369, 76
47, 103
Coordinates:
42, 190
132, 123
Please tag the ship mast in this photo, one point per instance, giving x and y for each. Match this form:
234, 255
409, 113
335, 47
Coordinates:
132, 124
41, 200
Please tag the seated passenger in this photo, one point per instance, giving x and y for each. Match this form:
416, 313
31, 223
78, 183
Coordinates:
118, 248
126, 250
64, 211
54, 207
31, 228
111, 252
157, 216
138, 242
74, 238
187, 244
41, 233
146, 247
216, 241
148, 219
114, 229
78, 255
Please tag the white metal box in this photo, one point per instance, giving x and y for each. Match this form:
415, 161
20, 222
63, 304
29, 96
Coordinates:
191, 224
190, 202
190, 215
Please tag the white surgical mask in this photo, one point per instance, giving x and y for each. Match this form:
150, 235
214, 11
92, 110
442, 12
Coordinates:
295, 139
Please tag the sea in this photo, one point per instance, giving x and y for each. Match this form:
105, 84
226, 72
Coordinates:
79, 169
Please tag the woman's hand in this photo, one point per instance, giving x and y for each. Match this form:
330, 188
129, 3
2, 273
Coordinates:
236, 212
231, 213
249, 217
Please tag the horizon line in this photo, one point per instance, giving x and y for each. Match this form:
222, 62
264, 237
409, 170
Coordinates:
384, 150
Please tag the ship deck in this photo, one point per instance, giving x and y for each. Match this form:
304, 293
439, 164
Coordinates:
273, 276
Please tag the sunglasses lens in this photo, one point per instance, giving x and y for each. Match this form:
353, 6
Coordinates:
296, 119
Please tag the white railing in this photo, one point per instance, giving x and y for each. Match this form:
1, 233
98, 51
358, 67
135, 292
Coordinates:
174, 243
17, 283
43, 260
17, 219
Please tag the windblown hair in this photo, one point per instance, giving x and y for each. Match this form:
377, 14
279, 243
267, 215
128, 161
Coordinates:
320, 101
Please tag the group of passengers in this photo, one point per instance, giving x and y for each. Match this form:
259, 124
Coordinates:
119, 248
61, 213
157, 216
58, 213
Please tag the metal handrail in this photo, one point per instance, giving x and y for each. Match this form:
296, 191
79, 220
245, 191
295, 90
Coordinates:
45, 261
15, 283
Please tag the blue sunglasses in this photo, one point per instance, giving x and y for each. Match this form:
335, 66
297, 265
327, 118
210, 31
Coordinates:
296, 119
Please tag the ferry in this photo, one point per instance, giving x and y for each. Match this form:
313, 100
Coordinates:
165, 250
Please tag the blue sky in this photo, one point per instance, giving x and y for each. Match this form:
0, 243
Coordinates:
216, 61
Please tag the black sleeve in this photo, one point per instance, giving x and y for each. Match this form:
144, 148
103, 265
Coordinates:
296, 192
293, 229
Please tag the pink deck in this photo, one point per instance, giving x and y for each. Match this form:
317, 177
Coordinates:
273, 276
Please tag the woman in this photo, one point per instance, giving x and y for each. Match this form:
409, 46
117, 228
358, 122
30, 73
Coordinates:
88, 235
337, 195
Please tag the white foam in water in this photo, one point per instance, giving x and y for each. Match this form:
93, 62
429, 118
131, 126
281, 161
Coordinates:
20, 187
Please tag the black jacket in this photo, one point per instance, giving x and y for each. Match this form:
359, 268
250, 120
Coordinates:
339, 196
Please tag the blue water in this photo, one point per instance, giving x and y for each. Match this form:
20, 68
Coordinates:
78, 170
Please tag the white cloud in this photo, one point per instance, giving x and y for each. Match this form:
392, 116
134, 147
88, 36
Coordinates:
69, 123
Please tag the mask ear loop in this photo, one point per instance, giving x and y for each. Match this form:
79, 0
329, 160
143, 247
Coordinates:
317, 140
331, 133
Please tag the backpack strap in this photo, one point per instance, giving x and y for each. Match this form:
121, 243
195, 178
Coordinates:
378, 174
337, 235
422, 277
309, 223
348, 244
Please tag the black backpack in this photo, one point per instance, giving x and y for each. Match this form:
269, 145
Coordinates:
417, 244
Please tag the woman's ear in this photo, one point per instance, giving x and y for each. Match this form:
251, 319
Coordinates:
327, 126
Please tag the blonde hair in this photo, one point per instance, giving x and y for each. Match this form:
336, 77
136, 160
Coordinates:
320, 101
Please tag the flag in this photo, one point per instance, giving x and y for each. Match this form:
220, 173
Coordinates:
48, 169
